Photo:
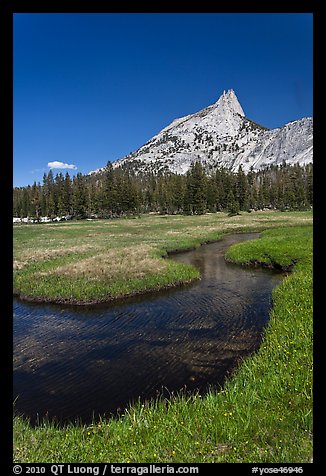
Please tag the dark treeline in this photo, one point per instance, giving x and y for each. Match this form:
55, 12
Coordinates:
117, 192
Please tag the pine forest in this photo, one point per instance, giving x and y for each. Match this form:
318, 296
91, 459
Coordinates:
117, 192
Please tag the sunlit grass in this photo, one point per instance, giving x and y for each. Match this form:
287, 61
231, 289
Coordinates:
263, 414
102, 260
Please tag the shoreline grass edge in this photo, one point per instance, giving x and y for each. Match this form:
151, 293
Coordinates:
263, 413
114, 261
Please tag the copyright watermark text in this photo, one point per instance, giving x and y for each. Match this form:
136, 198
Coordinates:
104, 469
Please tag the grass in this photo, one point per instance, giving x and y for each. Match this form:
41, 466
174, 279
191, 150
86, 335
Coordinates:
88, 262
264, 412
275, 249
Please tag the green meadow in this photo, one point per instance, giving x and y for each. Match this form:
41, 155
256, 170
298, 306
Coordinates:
264, 411
102, 260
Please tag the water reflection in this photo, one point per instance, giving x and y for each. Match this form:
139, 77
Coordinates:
76, 363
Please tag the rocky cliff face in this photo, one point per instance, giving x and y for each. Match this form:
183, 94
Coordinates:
221, 135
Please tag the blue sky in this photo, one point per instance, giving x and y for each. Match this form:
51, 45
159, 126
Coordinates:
89, 88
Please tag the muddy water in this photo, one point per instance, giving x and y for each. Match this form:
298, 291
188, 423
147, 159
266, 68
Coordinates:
78, 363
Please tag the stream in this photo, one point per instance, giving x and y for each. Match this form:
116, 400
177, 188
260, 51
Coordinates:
81, 362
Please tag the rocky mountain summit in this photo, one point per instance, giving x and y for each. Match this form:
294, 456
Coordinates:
221, 135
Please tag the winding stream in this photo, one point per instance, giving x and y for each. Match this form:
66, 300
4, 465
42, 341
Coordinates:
81, 362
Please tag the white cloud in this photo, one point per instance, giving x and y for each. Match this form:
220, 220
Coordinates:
61, 165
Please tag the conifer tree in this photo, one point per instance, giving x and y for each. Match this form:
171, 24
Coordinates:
177, 185
48, 181
242, 193
195, 200
67, 194
212, 195
16, 203
188, 196
59, 194
233, 207
79, 196
120, 191
36, 201
309, 183
109, 191
92, 204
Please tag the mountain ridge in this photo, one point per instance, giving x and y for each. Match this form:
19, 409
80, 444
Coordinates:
220, 135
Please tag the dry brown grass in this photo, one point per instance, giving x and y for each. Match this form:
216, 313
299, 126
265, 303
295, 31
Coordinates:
31, 255
128, 263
